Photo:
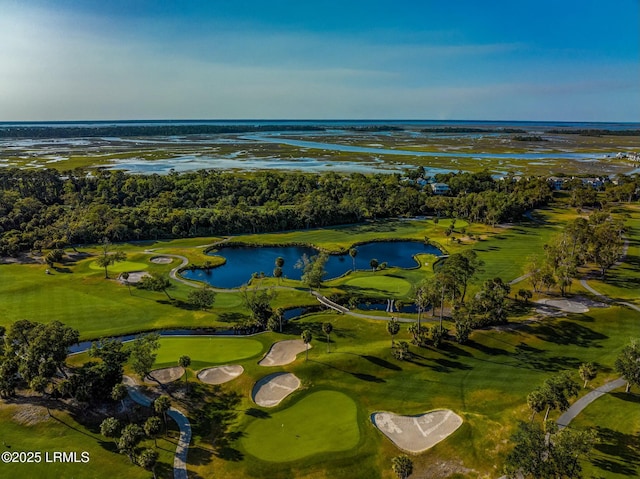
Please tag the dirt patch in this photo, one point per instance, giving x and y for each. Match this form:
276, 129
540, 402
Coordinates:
220, 374
134, 277
283, 352
29, 414
161, 260
416, 434
271, 390
164, 376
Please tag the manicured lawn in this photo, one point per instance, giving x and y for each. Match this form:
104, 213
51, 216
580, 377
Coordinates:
28, 428
615, 417
206, 351
380, 285
121, 266
324, 421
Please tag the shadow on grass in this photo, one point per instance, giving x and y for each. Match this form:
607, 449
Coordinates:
361, 376
621, 451
257, 413
628, 397
568, 332
383, 363
440, 365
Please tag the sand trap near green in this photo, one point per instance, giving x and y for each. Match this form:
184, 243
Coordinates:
121, 266
325, 421
220, 374
381, 284
205, 351
417, 433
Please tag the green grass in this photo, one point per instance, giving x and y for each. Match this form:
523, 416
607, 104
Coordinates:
617, 422
38, 432
322, 422
381, 285
121, 266
206, 351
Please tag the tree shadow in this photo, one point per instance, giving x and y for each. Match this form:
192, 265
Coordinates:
569, 333
361, 376
383, 363
257, 413
623, 451
232, 317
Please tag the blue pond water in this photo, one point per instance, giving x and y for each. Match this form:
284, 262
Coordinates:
243, 261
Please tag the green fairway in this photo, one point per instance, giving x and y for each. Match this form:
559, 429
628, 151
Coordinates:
616, 419
322, 422
206, 351
121, 266
381, 285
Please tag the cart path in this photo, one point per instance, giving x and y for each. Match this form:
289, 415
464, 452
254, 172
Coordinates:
577, 407
180, 459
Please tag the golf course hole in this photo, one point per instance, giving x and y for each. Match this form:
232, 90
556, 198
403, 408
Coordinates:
165, 375
161, 260
416, 434
271, 390
322, 422
206, 351
283, 352
220, 374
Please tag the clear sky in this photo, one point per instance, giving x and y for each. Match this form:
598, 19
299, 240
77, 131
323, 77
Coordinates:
573, 60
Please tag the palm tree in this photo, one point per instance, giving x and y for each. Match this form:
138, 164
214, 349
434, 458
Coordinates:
353, 253
125, 278
374, 264
402, 466
588, 372
306, 338
119, 393
185, 362
393, 327
161, 405
327, 328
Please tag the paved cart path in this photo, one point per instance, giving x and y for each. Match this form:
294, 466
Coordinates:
180, 459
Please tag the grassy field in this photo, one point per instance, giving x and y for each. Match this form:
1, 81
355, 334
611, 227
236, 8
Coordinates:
485, 381
206, 351
27, 427
322, 422
615, 417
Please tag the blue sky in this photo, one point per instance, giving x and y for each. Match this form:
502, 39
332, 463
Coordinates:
500, 60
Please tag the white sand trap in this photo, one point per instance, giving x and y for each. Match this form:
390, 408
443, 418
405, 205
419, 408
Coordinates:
134, 277
417, 433
564, 305
220, 374
272, 389
283, 352
161, 260
165, 375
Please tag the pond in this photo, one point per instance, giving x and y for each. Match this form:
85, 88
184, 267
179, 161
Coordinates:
243, 261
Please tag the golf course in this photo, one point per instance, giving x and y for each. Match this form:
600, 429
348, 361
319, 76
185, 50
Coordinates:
322, 426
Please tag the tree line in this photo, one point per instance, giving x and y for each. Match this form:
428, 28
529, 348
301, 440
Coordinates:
42, 209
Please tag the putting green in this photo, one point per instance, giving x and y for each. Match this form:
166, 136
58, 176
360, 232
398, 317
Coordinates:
325, 421
121, 267
205, 351
387, 285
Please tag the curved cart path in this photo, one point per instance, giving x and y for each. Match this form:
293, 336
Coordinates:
588, 398
577, 407
180, 459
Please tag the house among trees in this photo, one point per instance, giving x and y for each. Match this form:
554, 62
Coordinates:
440, 188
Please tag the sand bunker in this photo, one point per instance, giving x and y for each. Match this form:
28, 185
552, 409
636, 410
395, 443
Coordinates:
165, 375
555, 307
272, 389
220, 374
283, 352
417, 433
134, 277
161, 260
